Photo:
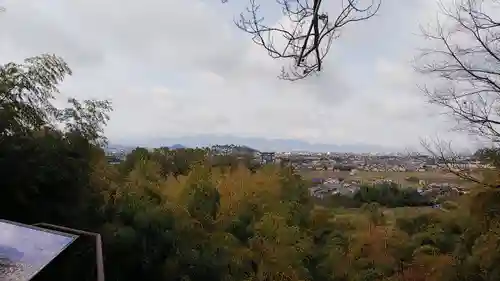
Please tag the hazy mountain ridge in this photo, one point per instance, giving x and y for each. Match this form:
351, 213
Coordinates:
261, 144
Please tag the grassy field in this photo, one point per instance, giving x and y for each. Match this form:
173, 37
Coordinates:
398, 177
409, 211
391, 214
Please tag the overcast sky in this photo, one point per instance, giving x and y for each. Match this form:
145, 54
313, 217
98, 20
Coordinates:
174, 68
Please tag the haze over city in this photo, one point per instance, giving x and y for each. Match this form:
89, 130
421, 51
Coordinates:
182, 68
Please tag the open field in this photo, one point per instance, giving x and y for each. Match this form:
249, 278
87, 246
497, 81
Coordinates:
409, 211
392, 214
397, 212
398, 177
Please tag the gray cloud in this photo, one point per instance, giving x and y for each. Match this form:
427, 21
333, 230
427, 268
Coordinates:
181, 67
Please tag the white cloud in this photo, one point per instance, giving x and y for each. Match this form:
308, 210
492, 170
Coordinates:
174, 68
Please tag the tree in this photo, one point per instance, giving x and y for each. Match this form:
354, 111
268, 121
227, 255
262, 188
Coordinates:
138, 154
26, 95
489, 156
463, 65
46, 171
305, 36
87, 119
202, 197
26, 92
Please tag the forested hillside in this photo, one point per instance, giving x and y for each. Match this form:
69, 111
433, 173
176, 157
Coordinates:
178, 215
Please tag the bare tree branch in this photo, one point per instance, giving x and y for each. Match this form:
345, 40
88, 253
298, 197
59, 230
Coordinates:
307, 35
466, 67
450, 161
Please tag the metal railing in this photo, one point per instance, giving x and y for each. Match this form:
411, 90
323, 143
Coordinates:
98, 244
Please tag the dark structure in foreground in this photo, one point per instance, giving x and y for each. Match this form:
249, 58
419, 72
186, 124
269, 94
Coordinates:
49, 252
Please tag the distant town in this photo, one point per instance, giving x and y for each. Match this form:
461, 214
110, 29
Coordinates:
375, 162
343, 173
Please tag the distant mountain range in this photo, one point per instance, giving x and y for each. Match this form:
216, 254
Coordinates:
177, 146
261, 144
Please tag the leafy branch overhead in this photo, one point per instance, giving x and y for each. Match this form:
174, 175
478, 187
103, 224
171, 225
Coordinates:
307, 32
27, 93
